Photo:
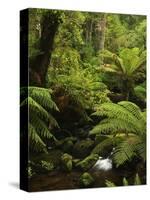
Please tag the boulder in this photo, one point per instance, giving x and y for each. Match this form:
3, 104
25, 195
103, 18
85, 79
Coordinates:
86, 180
83, 148
67, 146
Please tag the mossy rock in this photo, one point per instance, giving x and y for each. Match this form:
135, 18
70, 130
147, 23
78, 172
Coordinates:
86, 180
88, 162
82, 133
83, 148
53, 156
73, 139
66, 161
67, 144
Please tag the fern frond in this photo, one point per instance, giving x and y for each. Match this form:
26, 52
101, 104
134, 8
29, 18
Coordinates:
39, 103
115, 59
43, 97
114, 126
125, 182
36, 142
40, 127
122, 117
124, 152
113, 110
132, 108
140, 92
131, 147
109, 183
128, 62
137, 180
139, 62
140, 149
105, 144
36, 108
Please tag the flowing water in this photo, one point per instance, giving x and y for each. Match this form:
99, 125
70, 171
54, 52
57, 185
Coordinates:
103, 164
102, 170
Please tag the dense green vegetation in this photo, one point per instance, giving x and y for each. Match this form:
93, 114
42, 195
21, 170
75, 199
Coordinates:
86, 95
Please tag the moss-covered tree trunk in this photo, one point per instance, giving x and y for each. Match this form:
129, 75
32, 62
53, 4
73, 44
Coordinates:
38, 66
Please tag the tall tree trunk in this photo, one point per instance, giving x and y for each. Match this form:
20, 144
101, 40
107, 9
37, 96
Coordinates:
102, 33
39, 65
88, 33
101, 28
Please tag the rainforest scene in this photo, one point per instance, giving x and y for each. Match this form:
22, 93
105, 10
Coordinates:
86, 100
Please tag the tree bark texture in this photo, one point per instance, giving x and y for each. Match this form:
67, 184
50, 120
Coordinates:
39, 65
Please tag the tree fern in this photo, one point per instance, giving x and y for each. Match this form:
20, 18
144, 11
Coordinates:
127, 62
126, 65
124, 117
41, 121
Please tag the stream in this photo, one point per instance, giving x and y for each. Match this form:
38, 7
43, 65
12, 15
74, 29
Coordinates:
102, 170
59, 180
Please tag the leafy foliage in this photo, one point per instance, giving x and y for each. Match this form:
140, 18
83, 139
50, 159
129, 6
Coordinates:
90, 61
124, 117
41, 121
140, 91
125, 182
125, 65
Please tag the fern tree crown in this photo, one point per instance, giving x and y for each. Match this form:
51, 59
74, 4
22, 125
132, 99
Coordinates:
124, 117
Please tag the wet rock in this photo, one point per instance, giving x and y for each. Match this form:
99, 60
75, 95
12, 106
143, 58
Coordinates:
82, 133
83, 148
86, 180
66, 144
88, 162
66, 161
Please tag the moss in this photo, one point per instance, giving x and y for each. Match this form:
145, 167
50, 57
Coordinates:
66, 161
86, 180
88, 162
66, 144
83, 148
53, 156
